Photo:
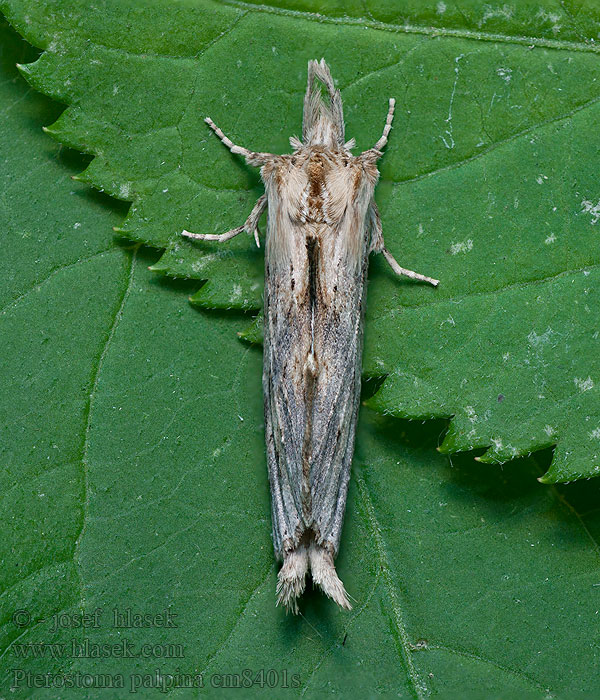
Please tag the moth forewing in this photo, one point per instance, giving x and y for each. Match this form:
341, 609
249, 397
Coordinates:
322, 223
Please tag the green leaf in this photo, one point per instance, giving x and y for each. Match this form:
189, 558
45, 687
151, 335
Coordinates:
489, 181
132, 458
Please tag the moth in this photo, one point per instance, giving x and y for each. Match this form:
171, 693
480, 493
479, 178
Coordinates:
322, 224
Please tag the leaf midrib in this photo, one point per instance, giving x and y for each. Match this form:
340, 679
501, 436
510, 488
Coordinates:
558, 44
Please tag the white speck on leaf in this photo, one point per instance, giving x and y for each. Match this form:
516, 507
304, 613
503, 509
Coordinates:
491, 12
593, 209
199, 265
536, 340
584, 384
471, 415
449, 142
125, 190
551, 17
505, 74
461, 247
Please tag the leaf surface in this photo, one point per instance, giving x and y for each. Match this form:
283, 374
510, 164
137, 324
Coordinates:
132, 439
489, 182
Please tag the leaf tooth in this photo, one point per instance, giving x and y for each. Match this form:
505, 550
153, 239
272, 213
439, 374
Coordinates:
48, 75
491, 456
101, 176
454, 441
157, 267
24, 69
67, 131
225, 295
408, 396
568, 453
253, 333
499, 455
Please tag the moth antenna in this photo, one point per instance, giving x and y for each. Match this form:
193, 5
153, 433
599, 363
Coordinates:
234, 148
388, 126
291, 579
252, 157
322, 570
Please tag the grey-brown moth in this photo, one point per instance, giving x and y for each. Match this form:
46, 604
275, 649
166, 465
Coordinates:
322, 224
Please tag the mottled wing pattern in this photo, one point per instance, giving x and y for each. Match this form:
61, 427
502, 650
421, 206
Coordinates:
337, 330
313, 338
287, 340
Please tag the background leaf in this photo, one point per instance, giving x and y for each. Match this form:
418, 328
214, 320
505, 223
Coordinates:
132, 440
489, 182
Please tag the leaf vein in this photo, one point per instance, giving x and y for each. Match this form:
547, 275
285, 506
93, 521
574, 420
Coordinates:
97, 368
477, 657
497, 144
467, 34
405, 644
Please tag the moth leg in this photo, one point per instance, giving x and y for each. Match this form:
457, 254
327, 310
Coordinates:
378, 246
212, 236
403, 271
251, 226
252, 157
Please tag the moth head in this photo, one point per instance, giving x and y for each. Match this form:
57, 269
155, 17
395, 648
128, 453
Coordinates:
323, 119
